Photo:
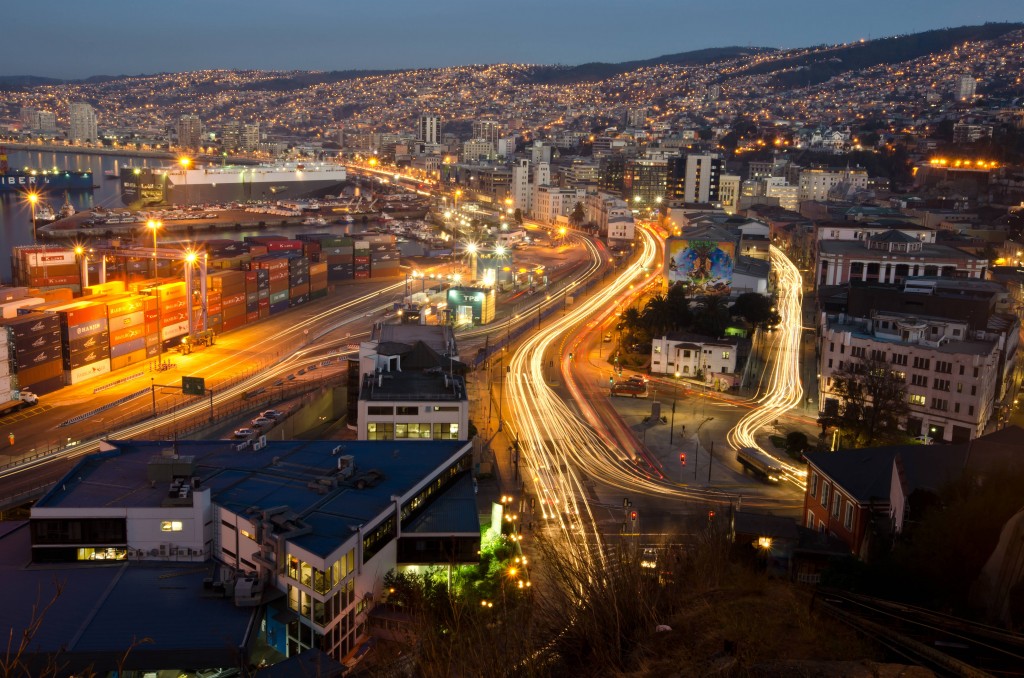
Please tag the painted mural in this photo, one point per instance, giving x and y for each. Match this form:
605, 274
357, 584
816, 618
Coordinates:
705, 264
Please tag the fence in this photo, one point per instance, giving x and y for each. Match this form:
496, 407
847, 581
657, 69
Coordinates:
98, 389
104, 408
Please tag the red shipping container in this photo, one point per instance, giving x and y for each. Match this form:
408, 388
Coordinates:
264, 314
234, 311
250, 278
284, 246
264, 303
33, 281
214, 308
232, 323
84, 313
150, 304
152, 316
360, 275
253, 317
125, 306
362, 260
237, 298
152, 328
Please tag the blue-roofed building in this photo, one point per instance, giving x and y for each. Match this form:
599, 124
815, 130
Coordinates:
303, 531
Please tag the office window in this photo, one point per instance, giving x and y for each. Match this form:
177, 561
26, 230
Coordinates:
379, 410
170, 526
407, 410
446, 431
376, 430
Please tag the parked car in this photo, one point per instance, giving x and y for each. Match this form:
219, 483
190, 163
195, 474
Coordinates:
262, 422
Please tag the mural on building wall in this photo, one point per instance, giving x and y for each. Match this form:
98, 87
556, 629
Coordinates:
704, 264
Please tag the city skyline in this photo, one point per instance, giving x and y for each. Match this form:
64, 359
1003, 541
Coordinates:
403, 35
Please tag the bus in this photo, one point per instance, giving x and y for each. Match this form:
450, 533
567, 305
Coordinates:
760, 464
637, 389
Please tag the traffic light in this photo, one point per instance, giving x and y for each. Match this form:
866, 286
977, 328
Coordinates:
632, 516
711, 515
570, 355
682, 458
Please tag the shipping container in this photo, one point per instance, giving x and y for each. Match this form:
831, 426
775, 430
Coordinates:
278, 297
136, 357
127, 306
38, 373
169, 332
233, 323
10, 309
73, 362
153, 350
87, 372
252, 316
94, 341
86, 329
299, 300
25, 360
279, 307
129, 346
46, 386
36, 342
137, 319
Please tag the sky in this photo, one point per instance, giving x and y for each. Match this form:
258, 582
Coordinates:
79, 38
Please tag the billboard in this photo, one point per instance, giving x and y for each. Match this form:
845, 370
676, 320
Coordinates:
705, 264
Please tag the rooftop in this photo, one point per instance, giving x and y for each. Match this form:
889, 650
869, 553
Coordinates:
280, 474
858, 248
427, 385
101, 610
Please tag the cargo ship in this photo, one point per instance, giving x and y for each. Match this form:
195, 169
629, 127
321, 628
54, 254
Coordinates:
41, 180
150, 187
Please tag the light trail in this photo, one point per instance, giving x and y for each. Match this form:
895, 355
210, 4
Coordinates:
784, 390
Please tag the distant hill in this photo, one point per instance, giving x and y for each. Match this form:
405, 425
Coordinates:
303, 79
803, 70
19, 82
564, 75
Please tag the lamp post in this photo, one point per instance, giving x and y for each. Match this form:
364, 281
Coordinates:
185, 163
33, 198
154, 225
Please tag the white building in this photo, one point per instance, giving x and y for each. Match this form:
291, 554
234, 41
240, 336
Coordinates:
818, 184
551, 202
612, 216
488, 130
729, 192
522, 193
83, 123
788, 196
701, 177
429, 129
951, 376
410, 386
478, 149
689, 356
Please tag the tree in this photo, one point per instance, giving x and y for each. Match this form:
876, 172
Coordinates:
578, 215
713, 318
873, 398
517, 216
755, 308
796, 442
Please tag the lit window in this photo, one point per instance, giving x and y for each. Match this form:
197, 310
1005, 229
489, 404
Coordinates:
170, 526
725, 355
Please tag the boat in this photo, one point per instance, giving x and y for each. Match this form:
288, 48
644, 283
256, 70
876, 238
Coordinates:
66, 210
41, 180
175, 185
110, 174
44, 213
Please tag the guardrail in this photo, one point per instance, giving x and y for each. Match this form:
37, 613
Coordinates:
104, 408
120, 381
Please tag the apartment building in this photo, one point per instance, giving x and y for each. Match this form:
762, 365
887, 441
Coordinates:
819, 184
83, 122
551, 202
695, 357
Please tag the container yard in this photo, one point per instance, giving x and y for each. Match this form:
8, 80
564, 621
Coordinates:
74, 316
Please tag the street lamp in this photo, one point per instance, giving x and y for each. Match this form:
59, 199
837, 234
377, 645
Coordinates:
154, 225
33, 198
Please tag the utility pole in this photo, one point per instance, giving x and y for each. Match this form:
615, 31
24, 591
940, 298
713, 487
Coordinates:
672, 425
152, 389
711, 457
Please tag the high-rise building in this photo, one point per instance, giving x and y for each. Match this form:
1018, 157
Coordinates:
429, 130
489, 130
729, 192
190, 131
636, 117
694, 177
249, 138
965, 87
644, 182
521, 194
83, 122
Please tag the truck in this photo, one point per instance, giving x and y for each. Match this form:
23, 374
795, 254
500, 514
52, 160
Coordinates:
24, 399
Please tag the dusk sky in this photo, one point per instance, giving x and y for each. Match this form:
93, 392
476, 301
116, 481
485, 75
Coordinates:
76, 38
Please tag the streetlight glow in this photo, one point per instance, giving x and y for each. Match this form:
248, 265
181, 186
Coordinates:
185, 161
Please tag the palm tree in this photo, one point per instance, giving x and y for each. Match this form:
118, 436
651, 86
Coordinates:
657, 315
578, 215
